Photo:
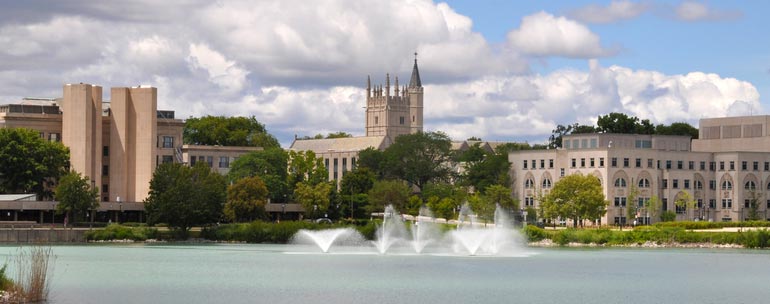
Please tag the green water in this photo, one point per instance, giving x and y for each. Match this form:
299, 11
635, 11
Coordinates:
289, 274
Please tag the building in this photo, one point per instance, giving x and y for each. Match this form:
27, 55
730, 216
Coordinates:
725, 171
389, 113
117, 144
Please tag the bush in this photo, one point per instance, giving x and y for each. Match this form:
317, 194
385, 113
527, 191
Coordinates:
119, 232
534, 233
260, 232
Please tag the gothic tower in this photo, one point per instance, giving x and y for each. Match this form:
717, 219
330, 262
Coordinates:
394, 114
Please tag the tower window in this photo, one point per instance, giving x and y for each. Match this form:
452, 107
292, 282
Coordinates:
412, 118
376, 120
401, 120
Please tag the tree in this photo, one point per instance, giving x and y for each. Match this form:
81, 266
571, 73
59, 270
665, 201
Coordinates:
269, 165
575, 197
374, 160
685, 202
753, 213
246, 200
483, 168
27, 161
632, 205
443, 207
227, 131
360, 180
677, 128
420, 158
304, 166
499, 195
652, 206
313, 197
184, 197
339, 134
76, 195
617, 123
388, 192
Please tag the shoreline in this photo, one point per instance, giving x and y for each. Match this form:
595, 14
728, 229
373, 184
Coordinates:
548, 243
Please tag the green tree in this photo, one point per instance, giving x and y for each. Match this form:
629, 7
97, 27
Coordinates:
374, 160
388, 192
27, 161
246, 200
313, 197
227, 131
632, 205
483, 208
304, 166
484, 169
443, 207
617, 123
677, 128
685, 202
420, 158
575, 197
184, 197
652, 207
339, 134
499, 195
753, 212
359, 180
76, 196
269, 165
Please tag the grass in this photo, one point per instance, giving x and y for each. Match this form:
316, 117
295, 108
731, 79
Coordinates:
31, 282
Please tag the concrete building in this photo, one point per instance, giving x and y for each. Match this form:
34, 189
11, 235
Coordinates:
726, 171
117, 144
389, 113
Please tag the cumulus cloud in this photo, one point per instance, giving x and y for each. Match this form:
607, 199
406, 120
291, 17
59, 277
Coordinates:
614, 12
543, 34
696, 11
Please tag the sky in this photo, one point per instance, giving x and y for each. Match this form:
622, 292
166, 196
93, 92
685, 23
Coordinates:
497, 70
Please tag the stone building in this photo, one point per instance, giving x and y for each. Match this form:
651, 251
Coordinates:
726, 171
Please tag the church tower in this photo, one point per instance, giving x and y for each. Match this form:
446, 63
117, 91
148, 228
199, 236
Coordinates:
394, 114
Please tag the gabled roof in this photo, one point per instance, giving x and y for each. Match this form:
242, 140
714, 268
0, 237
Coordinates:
340, 144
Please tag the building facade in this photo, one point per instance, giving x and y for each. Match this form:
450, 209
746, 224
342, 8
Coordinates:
390, 112
726, 172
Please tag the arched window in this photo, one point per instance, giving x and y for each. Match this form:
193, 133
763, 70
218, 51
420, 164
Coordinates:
620, 182
644, 183
529, 183
750, 185
727, 185
547, 183
698, 184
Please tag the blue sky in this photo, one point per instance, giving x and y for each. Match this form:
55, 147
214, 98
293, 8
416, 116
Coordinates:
499, 70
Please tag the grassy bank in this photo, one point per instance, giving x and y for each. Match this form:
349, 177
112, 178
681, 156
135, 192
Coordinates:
659, 234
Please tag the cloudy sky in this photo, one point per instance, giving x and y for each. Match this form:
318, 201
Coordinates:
499, 70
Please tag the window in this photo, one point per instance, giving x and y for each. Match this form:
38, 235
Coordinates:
529, 201
352, 163
664, 184
721, 166
768, 204
644, 183
167, 159
750, 185
542, 163
534, 164
550, 164
664, 204
601, 162
698, 185
168, 142
105, 170
700, 203
210, 161
547, 183
746, 203
712, 166
561, 172
582, 163
755, 166
727, 185
566, 144
592, 162
224, 162
593, 143
376, 120
574, 163
192, 160
675, 184
344, 164
727, 203
528, 184
638, 162
680, 209
691, 165
401, 120
336, 168
703, 166
744, 165
649, 163
614, 162
620, 201
732, 165
687, 184
326, 163
668, 164
642, 201
524, 163
54, 137
712, 203
679, 164
620, 182
767, 166
106, 151
105, 188
625, 163
712, 184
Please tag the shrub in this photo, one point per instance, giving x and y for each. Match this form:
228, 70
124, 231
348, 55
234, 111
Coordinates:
534, 233
119, 232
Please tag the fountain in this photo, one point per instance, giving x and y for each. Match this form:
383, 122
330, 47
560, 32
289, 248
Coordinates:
325, 238
469, 237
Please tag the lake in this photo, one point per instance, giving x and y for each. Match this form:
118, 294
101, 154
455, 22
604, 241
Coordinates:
236, 273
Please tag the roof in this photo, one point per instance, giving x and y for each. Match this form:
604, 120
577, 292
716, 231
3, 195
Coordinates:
18, 197
415, 81
340, 144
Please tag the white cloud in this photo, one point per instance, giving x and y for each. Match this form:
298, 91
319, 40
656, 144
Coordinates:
614, 12
224, 73
543, 34
695, 11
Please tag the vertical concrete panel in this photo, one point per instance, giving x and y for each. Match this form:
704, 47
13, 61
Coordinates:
118, 175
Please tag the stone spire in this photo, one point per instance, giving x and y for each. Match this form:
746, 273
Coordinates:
415, 81
368, 86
